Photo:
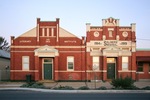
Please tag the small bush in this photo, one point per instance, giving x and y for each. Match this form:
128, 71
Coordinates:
64, 88
102, 88
83, 88
146, 88
120, 83
33, 85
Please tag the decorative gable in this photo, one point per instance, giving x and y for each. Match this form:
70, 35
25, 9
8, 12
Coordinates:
110, 22
112, 48
46, 51
30, 33
65, 33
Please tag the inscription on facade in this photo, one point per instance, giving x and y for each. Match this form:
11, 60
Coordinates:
110, 43
123, 43
97, 43
47, 40
69, 41
25, 41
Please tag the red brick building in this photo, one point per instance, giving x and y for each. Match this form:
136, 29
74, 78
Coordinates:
49, 52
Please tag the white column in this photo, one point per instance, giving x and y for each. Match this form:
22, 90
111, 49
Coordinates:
47, 31
57, 32
43, 32
38, 32
52, 31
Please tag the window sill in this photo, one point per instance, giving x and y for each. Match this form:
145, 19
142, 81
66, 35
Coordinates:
70, 70
140, 72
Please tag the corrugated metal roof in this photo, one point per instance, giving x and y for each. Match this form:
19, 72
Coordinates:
143, 49
4, 54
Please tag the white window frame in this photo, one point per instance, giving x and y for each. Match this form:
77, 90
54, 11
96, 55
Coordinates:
96, 64
68, 64
110, 33
125, 60
25, 63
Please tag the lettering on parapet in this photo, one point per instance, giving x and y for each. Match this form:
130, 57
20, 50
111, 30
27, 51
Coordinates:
123, 43
69, 41
110, 43
97, 43
25, 41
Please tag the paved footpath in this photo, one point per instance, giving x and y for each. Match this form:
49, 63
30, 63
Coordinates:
92, 85
75, 85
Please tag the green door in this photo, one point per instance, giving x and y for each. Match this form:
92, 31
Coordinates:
110, 70
48, 71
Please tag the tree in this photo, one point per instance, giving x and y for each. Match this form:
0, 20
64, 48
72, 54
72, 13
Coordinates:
4, 44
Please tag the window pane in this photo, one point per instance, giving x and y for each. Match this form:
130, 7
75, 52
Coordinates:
95, 63
95, 59
70, 59
124, 59
124, 63
25, 62
140, 64
125, 66
95, 66
140, 68
70, 63
26, 66
25, 59
110, 60
47, 60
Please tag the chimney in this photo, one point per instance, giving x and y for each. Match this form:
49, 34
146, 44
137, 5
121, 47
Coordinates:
38, 20
57, 20
12, 39
133, 26
88, 27
83, 40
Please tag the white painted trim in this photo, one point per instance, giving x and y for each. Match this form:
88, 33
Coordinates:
24, 71
110, 29
43, 67
67, 63
126, 71
38, 37
96, 71
43, 31
51, 46
47, 26
57, 32
47, 32
28, 62
52, 31
140, 72
72, 51
68, 71
22, 51
59, 51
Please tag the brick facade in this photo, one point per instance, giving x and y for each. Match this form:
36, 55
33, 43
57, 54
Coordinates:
50, 52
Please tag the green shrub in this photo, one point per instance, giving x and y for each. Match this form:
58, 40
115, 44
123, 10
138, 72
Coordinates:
102, 88
120, 83
64, 88
146, 88
33, 85
83, 88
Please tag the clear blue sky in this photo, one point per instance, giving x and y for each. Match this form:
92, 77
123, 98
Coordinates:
19, 16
